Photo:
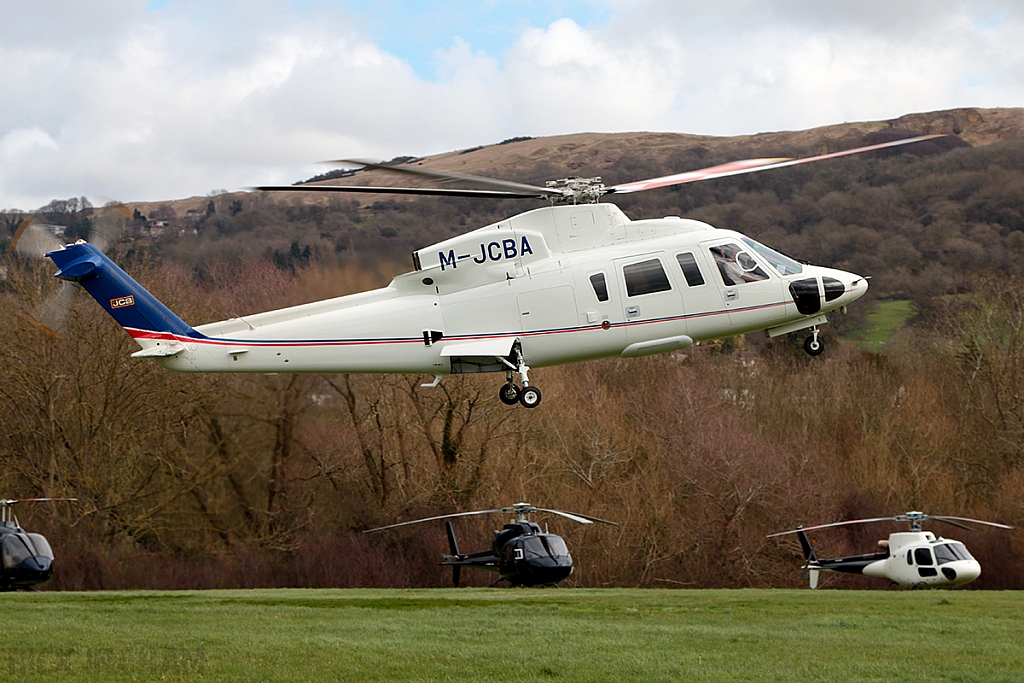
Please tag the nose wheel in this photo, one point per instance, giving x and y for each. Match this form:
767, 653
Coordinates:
510, 393
813, 345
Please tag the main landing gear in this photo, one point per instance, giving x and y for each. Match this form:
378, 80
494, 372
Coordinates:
813, 345
510, 393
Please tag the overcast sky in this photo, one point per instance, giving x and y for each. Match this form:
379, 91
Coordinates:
165, 99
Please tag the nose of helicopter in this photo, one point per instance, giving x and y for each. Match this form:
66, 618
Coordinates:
31, 571
963, 571
841, 287
857, 286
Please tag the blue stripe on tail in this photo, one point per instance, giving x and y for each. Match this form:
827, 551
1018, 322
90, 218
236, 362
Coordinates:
122, 297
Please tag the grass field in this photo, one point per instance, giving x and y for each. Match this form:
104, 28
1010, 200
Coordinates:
500, 635
884, 320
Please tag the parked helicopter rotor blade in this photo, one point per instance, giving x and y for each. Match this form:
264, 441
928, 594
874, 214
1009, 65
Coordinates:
749, 166
453, 176
8, 503
431, 519
825, 526
575, 516
439, 191
947, 518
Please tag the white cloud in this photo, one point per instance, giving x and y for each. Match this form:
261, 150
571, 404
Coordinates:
111, 98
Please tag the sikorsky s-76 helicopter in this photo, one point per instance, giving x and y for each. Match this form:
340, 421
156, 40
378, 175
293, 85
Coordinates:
574, 281
520, 552
915, 558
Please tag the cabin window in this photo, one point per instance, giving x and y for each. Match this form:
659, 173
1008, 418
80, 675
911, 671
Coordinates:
646, 277
736, 265
780, 262
923, 555
910, 557
690, 270
600, 286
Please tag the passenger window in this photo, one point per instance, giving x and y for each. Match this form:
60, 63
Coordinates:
645, 277
690, 270
600, 286
923, 555
736, 265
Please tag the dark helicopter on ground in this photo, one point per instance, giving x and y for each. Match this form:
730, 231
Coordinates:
26, 559
520, 552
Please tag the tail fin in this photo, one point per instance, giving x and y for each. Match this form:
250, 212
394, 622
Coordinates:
806, 545
811, 565
454, 548
134, 308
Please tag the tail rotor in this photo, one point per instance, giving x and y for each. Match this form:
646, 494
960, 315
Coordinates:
33, 241
811, 563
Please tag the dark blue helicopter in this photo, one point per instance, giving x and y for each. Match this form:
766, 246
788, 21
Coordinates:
26, 559
520, 552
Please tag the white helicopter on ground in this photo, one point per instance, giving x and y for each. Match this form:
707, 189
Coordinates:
915, 558
574, 281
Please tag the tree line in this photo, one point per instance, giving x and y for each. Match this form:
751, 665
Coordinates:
204, 480
237, 480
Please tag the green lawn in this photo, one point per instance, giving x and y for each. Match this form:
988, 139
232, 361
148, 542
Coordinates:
499, 635
884, 320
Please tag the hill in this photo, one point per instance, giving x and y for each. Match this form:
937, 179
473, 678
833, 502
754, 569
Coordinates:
596, 153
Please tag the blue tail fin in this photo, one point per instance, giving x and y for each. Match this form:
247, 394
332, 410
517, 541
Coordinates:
123, 298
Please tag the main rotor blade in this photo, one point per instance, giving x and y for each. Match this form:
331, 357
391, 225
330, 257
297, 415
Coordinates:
825, 526
482, 181
575, 516
439, 191
947, 518
749, 166
8, 503
431, 519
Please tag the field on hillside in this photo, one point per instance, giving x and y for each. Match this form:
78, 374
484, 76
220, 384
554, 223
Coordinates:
513, 635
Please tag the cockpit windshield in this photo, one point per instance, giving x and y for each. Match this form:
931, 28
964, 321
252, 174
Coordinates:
780, 262
951, 552
15, 550
42, 546
544, 545
556, 546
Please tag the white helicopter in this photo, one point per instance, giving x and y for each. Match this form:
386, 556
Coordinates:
574, 281
915, 558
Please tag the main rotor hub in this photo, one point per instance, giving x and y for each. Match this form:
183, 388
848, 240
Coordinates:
577, 190
522, 511
914, 518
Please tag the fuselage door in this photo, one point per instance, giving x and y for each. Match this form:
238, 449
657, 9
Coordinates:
750, 293
652, 304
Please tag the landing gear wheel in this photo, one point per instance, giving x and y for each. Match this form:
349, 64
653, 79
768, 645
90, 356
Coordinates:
530, 397
509, 394
814, 346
